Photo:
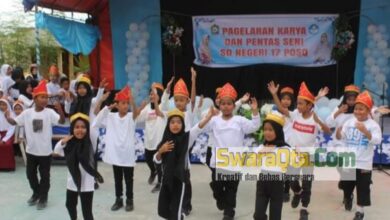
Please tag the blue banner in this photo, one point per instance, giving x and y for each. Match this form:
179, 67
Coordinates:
239, 40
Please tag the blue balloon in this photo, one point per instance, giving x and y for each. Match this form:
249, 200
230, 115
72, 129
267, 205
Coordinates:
145, 51
143, 60
137, 35
323, 113
371, 44
382, 62
368, 77
376, 53
137, 68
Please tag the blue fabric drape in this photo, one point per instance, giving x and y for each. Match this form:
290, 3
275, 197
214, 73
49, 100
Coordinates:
74, 36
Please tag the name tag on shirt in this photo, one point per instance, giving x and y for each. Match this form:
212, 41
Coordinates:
304, 128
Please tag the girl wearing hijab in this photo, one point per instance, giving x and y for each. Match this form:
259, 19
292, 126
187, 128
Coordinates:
271, 190
79, 156
7, 159
172, 154
25, 96
5, 71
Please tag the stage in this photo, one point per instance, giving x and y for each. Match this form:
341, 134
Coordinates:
326, 198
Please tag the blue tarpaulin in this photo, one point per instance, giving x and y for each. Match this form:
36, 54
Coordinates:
74, 36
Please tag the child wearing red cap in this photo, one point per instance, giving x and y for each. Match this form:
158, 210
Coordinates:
228, 130
182, 98
38, 122
120, 145
305, 127
360, 133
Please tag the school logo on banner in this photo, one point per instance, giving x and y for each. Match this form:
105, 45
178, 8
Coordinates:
239, 40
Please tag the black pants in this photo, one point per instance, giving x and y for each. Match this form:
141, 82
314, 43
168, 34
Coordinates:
307, 181
41, 163
86, 204
224, 192
269, 192
208, 156
187, 192
362, 184
152, 166
170, 200
286, 186
127, 173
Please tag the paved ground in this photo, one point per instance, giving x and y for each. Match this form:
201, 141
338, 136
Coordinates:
326, 198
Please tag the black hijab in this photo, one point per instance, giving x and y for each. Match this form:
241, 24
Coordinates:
344, 101
175, 162
82, 103
80, 151
279, 140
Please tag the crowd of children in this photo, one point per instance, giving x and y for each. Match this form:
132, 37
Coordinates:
169, 137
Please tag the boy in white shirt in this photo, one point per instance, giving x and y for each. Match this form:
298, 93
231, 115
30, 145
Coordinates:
120, 144
38, 122
360, 133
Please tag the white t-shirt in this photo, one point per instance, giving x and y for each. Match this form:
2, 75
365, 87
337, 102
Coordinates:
38, 129
304, 131
277, 169
355, 139
337, 122
154, 127
87, 181
28, 103
120, 137
230, 133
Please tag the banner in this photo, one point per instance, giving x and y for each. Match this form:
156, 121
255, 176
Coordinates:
239, 40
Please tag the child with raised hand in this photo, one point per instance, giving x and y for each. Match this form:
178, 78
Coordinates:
229, 130
305, 127
360, 133
172, 154
79, 155
120, 144
155, 123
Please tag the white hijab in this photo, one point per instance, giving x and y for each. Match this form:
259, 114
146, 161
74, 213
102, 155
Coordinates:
4, 125
4, 70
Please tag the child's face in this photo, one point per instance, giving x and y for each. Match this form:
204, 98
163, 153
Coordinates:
81, 90
286, 101
3, 106
269, 133
304, 106
29, 89
351, 100
54, 78
80, 129
181, 102
41, 101
175, 125
65, 85
34, 71
18, 109
361, 112
153, 97
123, 107
226, 105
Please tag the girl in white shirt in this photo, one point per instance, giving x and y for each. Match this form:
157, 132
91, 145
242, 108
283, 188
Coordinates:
79, 156
154, 128
7, 158
270, 185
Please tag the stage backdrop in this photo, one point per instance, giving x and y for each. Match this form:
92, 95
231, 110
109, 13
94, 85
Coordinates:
136, 40
372, 62
238, 40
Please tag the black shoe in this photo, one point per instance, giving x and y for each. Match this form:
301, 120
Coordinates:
152, 177
186, 212
96, 186
358, 216
117, 205
42, 203
348, 203
226, 217
295, 201
286, 197
129, 205
33, 200
303, 215
156, 188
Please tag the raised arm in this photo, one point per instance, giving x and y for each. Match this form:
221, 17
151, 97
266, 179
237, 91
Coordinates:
100, 120
100, 102
193, 88
250, 126
274, 92
165, 96
323, 126
322, 92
